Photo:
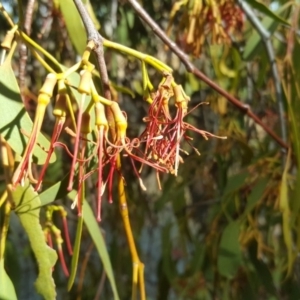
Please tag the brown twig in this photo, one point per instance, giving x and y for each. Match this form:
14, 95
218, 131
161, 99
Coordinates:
190, 67
23, 49
94, 35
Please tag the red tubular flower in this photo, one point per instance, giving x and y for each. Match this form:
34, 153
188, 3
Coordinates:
85, 129
59, 241
60, 114
102, 127
66, 230
122, 143
84, 89
24, 168
164, 134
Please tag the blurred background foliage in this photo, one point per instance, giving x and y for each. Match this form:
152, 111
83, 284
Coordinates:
227, 227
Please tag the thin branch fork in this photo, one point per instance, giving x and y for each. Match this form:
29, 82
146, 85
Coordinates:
191, 68
94, 35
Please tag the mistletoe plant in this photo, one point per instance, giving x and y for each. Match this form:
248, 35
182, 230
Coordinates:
91, 128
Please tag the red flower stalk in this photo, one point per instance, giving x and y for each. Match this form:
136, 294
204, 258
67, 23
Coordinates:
66, 230
24, 168
85, 129
48, 237
84, 88
59, 241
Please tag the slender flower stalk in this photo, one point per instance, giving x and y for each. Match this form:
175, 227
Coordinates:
59, 242
85, 129
84, 88
59, 112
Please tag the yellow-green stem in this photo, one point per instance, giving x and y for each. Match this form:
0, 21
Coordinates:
138, 266
27, 39
154, 62
42, 61
6, 16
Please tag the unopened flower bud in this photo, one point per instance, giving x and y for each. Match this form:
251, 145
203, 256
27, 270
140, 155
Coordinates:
100, 117
85, 82
48, 85
7, 41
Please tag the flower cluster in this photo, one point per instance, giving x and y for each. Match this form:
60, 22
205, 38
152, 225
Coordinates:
51, 230
217, 19
159, 146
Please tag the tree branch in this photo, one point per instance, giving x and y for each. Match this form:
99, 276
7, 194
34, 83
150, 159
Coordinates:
94, 35
191, 68
266, 37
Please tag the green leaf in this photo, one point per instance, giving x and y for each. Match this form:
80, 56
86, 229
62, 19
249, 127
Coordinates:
14, 116
30, 220
230, 255
95, 232
74, 24
7, 290
235, 182
265, 10
96, 235
256, 194
76, 251
92, 14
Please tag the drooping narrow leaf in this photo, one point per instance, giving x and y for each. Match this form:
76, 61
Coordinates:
30, 220
95, 232
76, 251
14, 117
